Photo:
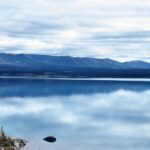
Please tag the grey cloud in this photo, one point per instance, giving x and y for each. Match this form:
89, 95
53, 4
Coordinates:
33, 28
133, 35
97, 25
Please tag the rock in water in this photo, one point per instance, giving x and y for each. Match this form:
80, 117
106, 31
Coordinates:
50, 139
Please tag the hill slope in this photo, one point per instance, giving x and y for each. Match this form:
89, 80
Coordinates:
54, 66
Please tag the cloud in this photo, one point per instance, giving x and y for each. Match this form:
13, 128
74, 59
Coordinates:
78, 28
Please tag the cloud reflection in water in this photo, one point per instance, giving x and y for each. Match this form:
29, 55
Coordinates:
115, 120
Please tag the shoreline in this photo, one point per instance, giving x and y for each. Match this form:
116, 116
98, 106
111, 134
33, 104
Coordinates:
77, 79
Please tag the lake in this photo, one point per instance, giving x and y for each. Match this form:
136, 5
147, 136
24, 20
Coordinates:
82, 114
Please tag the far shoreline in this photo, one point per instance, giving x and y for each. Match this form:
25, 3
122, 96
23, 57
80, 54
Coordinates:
77, 79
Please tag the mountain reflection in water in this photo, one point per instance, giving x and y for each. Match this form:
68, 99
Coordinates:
83, 115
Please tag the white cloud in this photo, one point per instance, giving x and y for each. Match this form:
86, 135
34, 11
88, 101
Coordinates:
66, 27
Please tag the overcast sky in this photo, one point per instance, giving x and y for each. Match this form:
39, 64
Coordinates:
117, 29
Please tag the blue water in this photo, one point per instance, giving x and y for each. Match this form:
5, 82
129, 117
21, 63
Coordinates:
82, 115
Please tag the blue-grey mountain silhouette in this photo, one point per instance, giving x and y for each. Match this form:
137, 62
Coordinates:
66, 66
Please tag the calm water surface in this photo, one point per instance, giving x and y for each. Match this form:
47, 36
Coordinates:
83, 115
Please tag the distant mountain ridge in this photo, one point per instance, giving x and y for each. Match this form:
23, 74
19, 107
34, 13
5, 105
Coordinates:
37, 61
56, 66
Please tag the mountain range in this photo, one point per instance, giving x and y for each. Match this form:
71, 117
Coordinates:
67, 66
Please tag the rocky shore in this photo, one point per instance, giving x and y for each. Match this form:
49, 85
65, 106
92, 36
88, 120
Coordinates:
10, 143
